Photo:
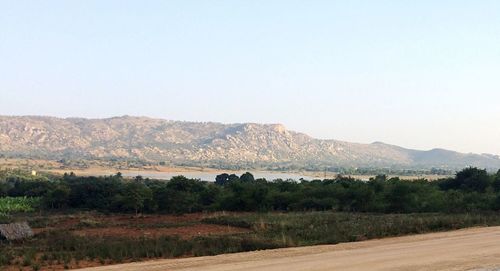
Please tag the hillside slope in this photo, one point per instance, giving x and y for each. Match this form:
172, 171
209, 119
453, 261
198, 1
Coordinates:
208, 144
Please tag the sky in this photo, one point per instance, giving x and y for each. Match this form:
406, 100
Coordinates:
420, 74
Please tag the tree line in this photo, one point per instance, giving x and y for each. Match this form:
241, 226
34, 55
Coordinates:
471, 189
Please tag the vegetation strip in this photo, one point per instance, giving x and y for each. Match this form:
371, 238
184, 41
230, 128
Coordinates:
269, 214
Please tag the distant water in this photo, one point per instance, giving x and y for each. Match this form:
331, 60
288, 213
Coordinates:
210, 176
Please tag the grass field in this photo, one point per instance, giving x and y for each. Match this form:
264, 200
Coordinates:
314, 228
64, 241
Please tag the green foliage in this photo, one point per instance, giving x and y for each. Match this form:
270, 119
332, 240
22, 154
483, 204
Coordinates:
469, 179
18, 204
6, 257
313, 228
64, 247
496, 182
57, 197
135, 196
181, 195
222, 179
247, 177
471, 189
5, 218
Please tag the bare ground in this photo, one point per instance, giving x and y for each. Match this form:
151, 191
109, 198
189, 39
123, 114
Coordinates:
469, 249
153, 226
185, 232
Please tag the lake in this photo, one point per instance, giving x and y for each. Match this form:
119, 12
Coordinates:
210, 176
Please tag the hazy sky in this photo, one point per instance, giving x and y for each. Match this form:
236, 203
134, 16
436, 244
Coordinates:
420, 74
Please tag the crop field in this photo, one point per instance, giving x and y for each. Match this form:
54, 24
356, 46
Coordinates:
17, 204
86, 239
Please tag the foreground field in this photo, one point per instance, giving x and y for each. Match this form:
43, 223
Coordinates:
469, 249
90, 239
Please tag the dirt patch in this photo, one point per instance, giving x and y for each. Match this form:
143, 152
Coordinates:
183, 232
90, 224
151, 219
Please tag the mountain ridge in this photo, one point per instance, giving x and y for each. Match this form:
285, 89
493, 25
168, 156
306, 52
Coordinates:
209, 144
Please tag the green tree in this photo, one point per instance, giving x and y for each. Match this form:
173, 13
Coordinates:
473, 179
247, 177
182, 195
222, 179
4, 188
496, 181
57, 197
233, 178
469, 179
401, 197
135, 196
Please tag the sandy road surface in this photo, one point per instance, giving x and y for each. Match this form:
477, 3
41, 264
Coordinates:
470, 249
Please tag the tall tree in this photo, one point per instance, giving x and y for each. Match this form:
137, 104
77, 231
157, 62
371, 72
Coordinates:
222, 179
247, 177
135, 195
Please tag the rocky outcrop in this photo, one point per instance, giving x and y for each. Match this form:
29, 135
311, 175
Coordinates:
206, 144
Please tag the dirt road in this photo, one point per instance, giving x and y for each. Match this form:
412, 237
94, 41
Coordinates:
470, 249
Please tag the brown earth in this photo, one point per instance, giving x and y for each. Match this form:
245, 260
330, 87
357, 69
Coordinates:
183, 232
152, 219
185, 226
468, 249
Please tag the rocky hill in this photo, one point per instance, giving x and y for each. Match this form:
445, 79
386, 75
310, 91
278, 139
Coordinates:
208, 144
